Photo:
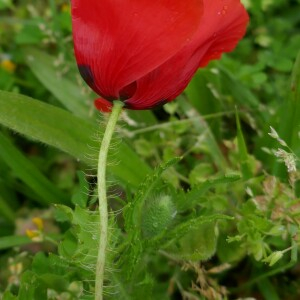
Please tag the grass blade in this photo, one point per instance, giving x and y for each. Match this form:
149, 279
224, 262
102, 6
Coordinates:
67, 92
243, 152
28, 173
66, 132
13, 241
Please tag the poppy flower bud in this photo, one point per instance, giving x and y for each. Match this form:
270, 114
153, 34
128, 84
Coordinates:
145, 52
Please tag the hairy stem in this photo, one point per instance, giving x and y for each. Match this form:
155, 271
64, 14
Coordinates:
117, 107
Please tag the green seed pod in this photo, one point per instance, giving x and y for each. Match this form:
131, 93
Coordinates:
158, 213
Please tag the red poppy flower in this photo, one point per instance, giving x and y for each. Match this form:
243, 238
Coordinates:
145, 52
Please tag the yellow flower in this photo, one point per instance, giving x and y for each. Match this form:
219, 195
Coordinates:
8, 65
36, 235
32, 234
65, 8
38, 223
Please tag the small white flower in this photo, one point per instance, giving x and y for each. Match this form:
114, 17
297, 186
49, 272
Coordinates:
282, 142
273, 133
249, 191
289, 159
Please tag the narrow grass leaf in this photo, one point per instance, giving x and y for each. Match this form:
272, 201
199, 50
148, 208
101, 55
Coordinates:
67, 92
66, 132
241, 94
202, 127
203, 93
267, 289
28, 173
288, 119
13, 241
295, 91
6, 211
243, 152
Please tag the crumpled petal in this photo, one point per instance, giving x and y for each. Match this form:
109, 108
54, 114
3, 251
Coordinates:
103, 105
117, 42
222, 25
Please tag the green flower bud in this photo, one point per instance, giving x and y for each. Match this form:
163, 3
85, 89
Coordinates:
273, 258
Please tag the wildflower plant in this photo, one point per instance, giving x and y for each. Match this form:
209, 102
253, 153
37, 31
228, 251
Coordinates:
180, 181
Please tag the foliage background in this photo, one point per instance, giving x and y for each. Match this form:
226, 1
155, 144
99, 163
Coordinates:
220, 223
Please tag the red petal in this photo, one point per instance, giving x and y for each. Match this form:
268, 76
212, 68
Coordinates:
103, 105
118, 42
223, 24
226, 30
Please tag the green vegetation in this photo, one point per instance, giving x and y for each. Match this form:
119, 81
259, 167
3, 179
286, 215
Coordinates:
204, 193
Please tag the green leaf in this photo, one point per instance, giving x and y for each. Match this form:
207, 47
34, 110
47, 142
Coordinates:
81, 196
30, 33
169, 236
13, 241
200, 172
238, 91
46, 123
294, 109
286, 122
197, 244
243, 153
52, 263
67, 92
144, 148
60, 129
211, 143
68, 246
267, 289
5, 4
52, 270
203, 93
31, 288
192, 197
229, 252
8, 296
82, 242
6, 211
25, 170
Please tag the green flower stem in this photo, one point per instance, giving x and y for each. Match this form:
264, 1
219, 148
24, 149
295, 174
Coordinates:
110, 128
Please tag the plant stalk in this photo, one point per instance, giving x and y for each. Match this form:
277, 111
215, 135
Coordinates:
101, 174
